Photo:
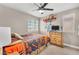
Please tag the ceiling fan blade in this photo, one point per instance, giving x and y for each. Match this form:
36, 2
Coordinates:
47, 9
36, 5
43, 5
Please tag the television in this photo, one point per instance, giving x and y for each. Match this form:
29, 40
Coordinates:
55, 27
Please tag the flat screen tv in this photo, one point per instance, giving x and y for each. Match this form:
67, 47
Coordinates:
55, 28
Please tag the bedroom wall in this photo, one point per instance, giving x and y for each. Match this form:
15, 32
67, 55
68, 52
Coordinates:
70, 38
14, 19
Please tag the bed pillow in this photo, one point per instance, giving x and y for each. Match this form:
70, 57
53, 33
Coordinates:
18, 46
17, 35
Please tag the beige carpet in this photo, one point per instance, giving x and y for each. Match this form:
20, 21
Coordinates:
54, 50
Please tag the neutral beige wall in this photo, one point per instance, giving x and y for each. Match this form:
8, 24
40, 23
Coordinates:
70, 38
14, 19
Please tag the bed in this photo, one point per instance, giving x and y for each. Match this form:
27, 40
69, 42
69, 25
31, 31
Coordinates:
16, 47
35, 41
25, 44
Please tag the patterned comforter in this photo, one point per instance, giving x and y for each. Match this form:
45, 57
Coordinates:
27, 45
35, 41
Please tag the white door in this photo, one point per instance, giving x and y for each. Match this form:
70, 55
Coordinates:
68, 24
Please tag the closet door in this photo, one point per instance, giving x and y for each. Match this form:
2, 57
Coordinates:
68, 24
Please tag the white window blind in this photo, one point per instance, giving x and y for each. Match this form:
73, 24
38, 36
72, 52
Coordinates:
32, 26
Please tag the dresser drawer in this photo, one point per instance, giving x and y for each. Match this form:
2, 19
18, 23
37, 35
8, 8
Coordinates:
53, 41
56, 38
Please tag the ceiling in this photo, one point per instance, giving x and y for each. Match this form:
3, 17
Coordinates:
30, 8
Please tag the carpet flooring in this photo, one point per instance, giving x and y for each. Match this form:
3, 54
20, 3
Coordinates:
54, 50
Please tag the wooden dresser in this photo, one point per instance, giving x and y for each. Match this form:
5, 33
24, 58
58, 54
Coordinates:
56, 38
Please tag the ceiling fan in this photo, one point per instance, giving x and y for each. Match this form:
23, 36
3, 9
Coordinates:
41, 7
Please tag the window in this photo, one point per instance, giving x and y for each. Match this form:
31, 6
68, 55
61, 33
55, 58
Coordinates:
32, 26
43, 27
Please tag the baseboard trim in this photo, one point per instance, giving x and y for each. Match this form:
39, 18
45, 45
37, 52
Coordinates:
72, 46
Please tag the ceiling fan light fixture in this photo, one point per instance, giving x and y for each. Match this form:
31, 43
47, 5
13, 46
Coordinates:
41, 11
